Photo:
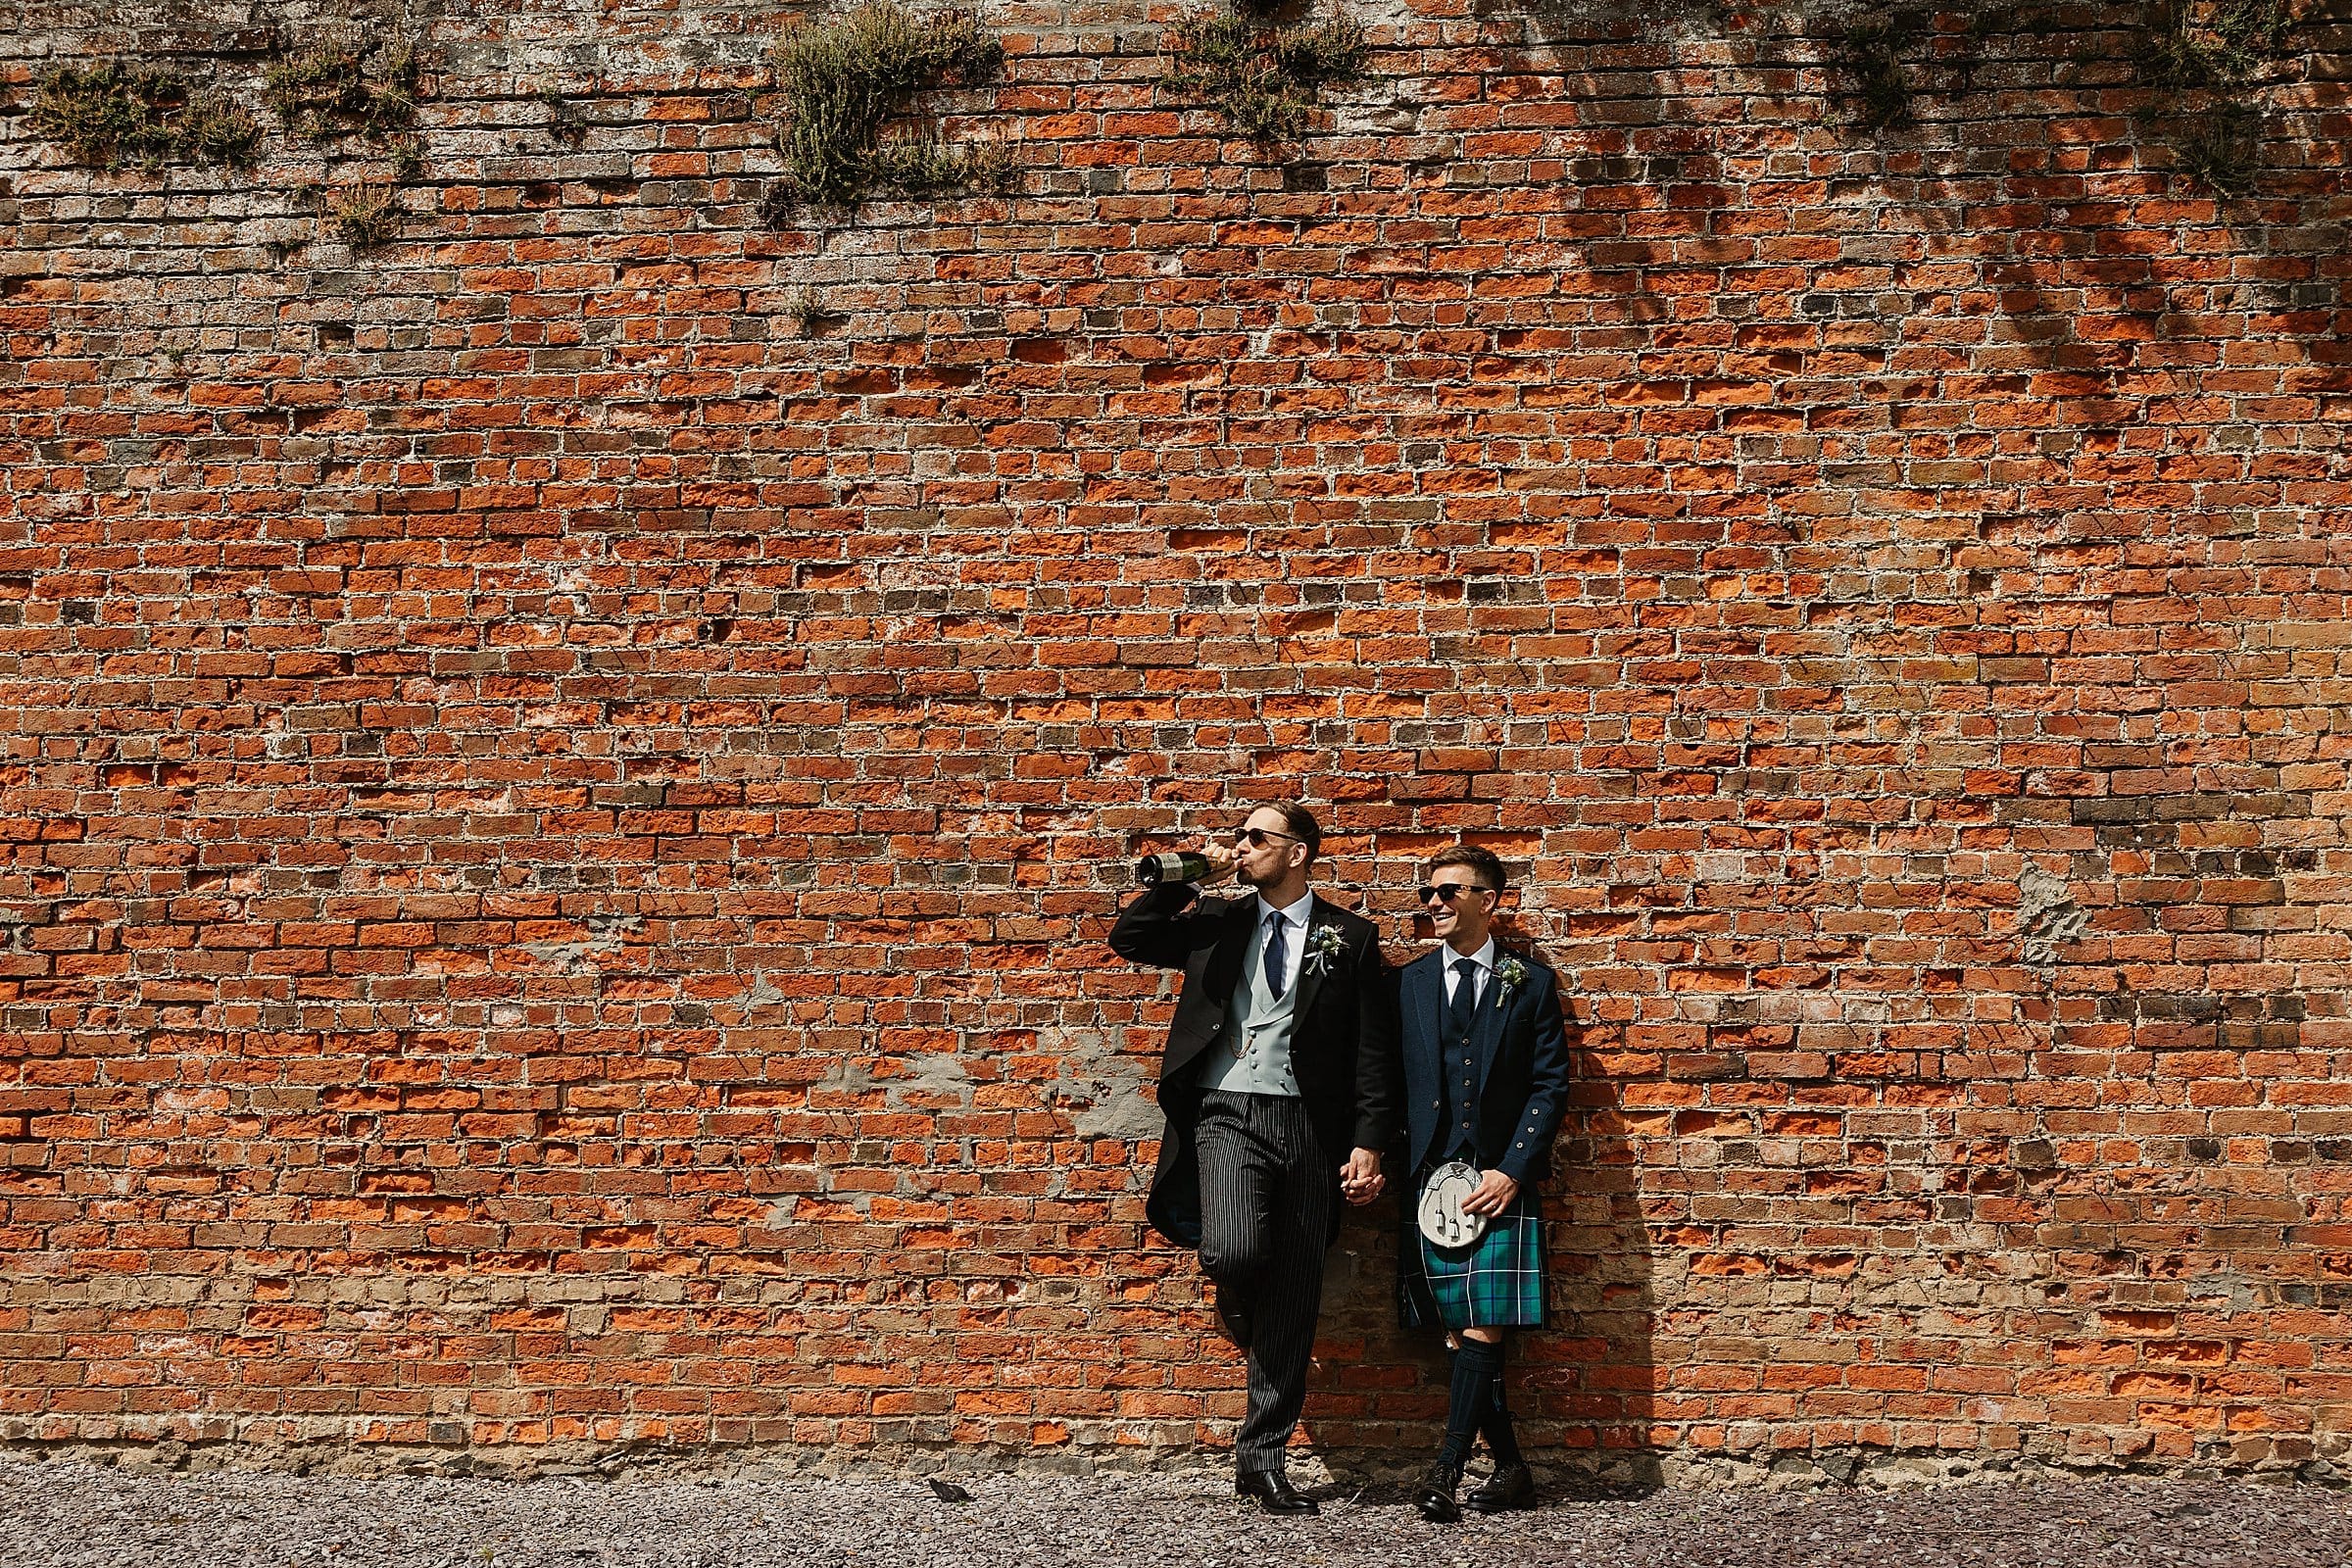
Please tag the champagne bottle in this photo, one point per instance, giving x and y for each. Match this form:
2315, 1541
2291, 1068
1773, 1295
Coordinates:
1177, 865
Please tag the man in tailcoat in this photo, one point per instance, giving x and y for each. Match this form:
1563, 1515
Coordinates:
1486, 1080
1278, 1087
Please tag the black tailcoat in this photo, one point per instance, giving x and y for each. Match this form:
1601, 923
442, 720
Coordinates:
1343, 1046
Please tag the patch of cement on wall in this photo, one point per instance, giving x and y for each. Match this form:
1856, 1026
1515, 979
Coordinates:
928, 1073
16, 926
2047, 917
1100, 1090
938, 1072
604, 933
914, 1083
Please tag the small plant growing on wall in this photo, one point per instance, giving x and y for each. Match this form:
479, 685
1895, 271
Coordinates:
366, 212
1259, 76
350, 92
2221, 149
2206, 58
845, 80
806, 309
563, 121
1874, 58
343, 84
2221, 44
113, 112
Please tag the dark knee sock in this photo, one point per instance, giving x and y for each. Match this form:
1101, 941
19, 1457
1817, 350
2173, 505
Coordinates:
1502, 1439
1476, 1368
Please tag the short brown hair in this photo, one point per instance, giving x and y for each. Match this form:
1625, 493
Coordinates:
1301, 823
1483, 862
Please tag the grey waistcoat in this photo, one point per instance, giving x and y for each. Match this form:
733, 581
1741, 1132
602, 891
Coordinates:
1252, 1054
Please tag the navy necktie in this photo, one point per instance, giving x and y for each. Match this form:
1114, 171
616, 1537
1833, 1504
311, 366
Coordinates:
1275, 954
1465, 999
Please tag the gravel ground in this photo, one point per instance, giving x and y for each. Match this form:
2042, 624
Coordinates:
59, 1514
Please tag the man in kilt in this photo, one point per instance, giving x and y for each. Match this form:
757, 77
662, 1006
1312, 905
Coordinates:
1486, 1080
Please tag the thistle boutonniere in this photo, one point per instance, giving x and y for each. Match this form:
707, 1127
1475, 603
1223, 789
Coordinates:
1510, 974
1324, 944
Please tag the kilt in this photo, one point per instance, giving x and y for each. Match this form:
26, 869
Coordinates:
1497, 1282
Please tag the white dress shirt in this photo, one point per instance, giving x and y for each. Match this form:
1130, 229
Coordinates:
1294, 933
1481, 977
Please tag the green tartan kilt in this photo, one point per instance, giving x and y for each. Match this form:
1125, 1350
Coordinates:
1497, 1282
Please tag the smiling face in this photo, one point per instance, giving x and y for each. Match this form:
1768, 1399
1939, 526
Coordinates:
1265, 851
1461, 908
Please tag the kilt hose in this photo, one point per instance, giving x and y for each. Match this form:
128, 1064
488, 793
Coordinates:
1497, 1282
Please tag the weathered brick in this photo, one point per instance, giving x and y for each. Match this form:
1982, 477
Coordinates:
559, 822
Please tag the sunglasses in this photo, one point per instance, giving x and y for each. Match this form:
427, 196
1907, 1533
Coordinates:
1447, 892
1257, 836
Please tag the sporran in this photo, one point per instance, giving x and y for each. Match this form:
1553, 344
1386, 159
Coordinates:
1441, 1215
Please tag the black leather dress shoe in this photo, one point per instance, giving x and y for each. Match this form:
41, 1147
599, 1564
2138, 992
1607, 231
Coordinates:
1433, 1493
1273, 1492
1510, 1487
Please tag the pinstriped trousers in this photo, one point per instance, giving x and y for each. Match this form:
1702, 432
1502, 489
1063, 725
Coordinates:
1269, 1199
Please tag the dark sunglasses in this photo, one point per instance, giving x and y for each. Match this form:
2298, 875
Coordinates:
1447, 892
1257, 836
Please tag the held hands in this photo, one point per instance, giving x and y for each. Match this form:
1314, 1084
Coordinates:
1361, 1180
1220, 862
1495, 1193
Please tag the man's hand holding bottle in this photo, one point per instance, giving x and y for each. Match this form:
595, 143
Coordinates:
1209, 864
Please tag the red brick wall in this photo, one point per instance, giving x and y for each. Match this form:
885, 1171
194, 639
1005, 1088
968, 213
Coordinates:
558, 830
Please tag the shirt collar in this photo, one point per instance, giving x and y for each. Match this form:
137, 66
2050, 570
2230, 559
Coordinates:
1484, 958
1296, 914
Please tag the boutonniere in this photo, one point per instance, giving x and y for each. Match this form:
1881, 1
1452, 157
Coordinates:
1510, 974
1324, 944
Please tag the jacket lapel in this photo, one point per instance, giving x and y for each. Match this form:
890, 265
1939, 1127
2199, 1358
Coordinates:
1309, 982
1429, 1001
1486, 1028
1224, 971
